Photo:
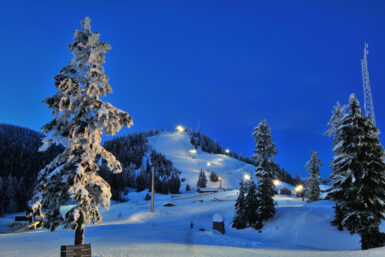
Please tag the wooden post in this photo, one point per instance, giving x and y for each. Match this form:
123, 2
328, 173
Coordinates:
152, 188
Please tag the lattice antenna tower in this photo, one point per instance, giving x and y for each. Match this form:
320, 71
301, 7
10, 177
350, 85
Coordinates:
368, 101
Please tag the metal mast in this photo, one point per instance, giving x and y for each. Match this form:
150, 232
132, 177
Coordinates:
368, 101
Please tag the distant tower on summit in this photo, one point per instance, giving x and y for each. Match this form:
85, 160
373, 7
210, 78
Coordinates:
368, 101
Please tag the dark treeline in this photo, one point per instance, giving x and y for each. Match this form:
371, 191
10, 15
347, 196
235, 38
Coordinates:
20, 162
284, 176
130, 149
208, 145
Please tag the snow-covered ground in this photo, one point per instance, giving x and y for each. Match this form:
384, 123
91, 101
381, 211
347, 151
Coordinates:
129, 229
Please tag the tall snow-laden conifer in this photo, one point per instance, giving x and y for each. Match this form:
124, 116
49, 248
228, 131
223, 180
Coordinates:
80, 116
338, 113
312, 189
359, 176
265, 172
240, 216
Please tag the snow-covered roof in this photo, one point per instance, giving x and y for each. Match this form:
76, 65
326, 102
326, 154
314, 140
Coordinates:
218, 218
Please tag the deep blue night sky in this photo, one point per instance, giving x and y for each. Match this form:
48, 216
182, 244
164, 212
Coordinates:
224, 64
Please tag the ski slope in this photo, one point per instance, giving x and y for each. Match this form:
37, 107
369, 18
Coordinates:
176, 147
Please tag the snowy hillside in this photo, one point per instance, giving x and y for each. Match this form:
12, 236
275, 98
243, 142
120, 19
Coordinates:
130, 229
176, 147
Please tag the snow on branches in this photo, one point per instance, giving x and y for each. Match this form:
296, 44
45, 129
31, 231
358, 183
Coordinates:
80, 117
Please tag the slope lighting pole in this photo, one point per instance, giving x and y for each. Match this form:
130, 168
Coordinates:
152, 188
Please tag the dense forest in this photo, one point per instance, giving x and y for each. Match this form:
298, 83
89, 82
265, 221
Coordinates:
20, 162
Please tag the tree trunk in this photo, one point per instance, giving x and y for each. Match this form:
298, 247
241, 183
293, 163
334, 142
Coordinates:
79, 231
79, 235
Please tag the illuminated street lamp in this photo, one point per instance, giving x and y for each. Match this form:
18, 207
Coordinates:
298, 188
180, 128
276, 182
247, 177
227, 151
299, 191
208, 164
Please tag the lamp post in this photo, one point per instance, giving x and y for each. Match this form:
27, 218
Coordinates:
220, 182
152, 188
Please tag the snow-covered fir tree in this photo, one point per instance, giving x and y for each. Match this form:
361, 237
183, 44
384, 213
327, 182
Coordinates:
202, 180
214, 177
312, 189
240, 215
359, 176
253, 205
80, 117
265, 172
338, 113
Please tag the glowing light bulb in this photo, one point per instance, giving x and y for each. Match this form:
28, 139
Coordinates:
180, 128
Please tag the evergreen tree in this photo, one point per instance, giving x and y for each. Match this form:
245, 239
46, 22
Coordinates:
338, 114
312, 189
359, 176
240, 216
10, 194
141, 180
129, 176
265, 173
174, 183
80, 117
214, 177
202, 180
254, 208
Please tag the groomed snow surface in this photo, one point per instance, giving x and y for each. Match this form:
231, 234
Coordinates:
130, 229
